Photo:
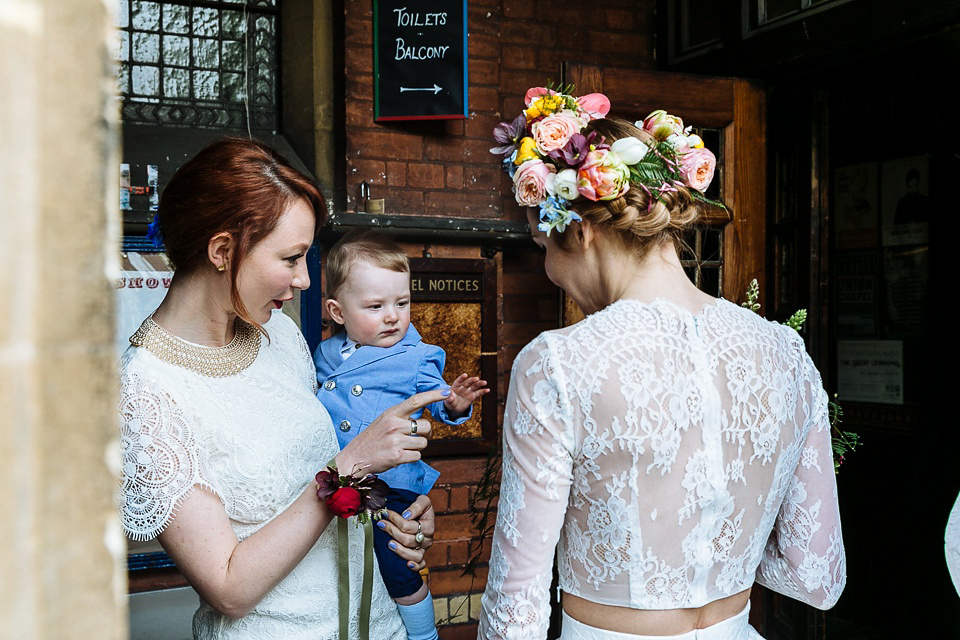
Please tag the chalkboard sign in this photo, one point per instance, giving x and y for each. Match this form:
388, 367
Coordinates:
420, 59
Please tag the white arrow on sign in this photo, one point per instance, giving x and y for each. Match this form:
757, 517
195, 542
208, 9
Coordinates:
436, 89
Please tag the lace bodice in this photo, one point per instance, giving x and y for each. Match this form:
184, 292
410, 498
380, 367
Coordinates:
256, 439
672, 459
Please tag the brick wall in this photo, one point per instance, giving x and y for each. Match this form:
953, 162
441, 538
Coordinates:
444, 169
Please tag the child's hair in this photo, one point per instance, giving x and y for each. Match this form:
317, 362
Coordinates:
368, 246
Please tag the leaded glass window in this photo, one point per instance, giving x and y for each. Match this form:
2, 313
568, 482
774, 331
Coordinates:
703, 261
205, 64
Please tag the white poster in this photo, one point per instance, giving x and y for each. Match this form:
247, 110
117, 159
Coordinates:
144, 280
870, 371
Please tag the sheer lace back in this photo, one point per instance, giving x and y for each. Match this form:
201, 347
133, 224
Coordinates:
675, 458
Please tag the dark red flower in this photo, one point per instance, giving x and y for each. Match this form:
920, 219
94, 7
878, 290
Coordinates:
328, 481
345, 502
574, 153
375, 494
508, 134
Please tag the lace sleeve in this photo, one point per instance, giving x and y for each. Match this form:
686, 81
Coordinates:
161, 461
535, 483
804, 557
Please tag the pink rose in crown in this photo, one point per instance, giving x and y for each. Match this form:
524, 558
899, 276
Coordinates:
603, 176
535, 92
530, 182
697, 167
595, 105
555, 130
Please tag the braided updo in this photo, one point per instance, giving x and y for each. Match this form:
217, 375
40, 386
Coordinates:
640, 223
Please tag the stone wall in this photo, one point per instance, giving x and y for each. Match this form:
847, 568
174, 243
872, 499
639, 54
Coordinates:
61, 551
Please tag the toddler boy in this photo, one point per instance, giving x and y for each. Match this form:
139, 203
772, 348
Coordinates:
376, 361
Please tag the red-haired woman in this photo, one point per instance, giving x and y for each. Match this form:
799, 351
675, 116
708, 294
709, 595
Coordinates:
222, 432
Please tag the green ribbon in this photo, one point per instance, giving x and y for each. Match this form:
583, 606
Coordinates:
343, 571
343, 566
367, 590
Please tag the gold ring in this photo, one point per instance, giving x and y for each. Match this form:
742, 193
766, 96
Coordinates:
413, 427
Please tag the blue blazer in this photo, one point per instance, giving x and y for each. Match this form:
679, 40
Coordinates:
357, 390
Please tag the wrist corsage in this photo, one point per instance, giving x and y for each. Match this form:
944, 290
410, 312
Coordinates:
366, 498
347, 495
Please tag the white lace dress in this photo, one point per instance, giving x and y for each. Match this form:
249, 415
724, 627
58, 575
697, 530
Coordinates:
672, 459
256, 439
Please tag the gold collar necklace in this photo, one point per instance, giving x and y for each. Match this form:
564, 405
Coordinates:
216, 362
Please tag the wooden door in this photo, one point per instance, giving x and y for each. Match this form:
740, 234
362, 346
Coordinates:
731, 248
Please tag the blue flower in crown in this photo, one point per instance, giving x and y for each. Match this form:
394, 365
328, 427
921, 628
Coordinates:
554, 214
508, 164
154, 232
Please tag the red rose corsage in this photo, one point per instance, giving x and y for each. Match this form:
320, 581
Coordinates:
348, 496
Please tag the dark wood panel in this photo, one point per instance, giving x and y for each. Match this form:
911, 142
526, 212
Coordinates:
745, 236
708, 102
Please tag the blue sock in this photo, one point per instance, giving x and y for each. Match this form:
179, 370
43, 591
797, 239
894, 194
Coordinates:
419, 619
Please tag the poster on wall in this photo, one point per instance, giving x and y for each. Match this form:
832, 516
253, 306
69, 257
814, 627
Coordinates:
906, 276
905, 201
857, 211
870, 371
420, 60
856, 286
143, 281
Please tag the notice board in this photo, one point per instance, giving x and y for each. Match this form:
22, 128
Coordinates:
420, 59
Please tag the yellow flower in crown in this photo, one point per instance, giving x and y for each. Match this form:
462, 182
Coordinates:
527, 151
545, 105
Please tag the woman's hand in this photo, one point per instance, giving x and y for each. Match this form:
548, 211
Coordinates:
392, 439
403, 528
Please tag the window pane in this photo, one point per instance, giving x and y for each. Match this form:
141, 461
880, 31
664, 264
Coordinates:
176, 83
176, 19
700, 22
774, 9
212, 66
146, 80
206, 54
206, 22
176, 51
146, 47
146, 15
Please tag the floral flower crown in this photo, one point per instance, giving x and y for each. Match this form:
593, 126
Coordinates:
552, 163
